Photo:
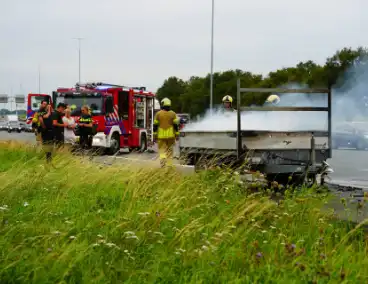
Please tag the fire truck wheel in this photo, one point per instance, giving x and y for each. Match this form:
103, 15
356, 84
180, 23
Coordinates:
143, 143
114, 144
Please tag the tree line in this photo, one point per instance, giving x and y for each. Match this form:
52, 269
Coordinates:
193, 96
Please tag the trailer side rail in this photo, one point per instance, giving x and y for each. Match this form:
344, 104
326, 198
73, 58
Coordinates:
318, 91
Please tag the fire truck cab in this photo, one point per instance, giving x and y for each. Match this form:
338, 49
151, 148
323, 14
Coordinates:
123, 115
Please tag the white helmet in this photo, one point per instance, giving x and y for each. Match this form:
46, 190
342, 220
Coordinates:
273, 99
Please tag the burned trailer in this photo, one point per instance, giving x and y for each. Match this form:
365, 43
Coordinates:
279, 155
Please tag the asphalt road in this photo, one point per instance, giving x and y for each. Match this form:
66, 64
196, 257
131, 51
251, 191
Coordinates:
350, 166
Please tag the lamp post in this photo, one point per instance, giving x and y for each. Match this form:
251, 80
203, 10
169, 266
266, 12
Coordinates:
212, 43
79, 57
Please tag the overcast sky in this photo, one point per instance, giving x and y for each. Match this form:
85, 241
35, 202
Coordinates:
142, 42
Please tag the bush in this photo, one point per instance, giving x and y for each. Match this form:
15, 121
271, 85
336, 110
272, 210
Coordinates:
83, 223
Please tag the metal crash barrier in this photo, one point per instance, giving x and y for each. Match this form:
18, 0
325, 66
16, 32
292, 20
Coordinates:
276, 108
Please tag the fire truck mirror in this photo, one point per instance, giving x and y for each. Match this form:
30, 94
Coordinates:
109, 106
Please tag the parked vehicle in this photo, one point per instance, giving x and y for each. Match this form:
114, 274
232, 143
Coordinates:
184, 119
3, 126
350, 135
14, 126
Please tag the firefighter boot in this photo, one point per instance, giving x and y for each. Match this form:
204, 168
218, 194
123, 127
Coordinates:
163, 162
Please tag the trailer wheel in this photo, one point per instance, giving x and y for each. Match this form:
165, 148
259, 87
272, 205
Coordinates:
143, 143
114, 144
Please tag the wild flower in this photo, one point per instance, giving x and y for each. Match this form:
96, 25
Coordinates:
204, 248
25, 204
112, 245
132, 237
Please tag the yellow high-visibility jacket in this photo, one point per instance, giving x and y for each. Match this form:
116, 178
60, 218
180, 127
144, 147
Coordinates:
166, 124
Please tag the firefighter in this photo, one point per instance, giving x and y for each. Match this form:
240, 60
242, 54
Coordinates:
36, 123
166, 131
227, 103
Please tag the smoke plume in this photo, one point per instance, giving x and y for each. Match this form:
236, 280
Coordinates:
349, 104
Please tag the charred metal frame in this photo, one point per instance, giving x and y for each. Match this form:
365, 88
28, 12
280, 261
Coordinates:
284, 91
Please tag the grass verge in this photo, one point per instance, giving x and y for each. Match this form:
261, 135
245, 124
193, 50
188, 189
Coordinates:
83, 223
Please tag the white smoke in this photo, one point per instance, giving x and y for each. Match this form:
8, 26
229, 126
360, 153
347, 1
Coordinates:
347, 105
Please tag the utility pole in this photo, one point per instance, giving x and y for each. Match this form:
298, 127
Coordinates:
212, 43
79, 57
39, 79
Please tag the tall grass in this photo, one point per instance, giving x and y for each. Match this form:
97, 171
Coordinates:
79, 222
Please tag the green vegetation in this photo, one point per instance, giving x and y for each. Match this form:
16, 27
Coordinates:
192, 96
79, 222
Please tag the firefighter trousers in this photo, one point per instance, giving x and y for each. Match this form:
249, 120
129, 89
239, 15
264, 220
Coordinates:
166, 150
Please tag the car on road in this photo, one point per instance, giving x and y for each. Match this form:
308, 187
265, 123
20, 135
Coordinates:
3, 126
14, 126
349, 135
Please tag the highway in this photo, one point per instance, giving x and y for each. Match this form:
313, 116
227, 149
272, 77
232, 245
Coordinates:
350, 166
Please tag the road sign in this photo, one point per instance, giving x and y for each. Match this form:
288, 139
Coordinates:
3, 99
20, 99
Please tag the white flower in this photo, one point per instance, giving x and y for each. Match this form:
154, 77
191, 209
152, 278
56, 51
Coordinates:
110, 245
72, 237
25, 204
205, 248
132, 237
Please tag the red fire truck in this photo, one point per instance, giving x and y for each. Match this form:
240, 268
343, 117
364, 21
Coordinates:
123, 115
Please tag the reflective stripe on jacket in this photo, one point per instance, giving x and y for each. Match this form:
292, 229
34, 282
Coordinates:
166, 124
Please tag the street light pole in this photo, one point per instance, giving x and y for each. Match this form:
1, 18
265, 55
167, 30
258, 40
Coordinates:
212, 43
79, 58
39, 79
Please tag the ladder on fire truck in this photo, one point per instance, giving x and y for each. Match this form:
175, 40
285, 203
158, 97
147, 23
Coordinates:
92, 85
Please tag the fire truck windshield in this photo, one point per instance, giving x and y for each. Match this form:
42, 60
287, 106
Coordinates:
95, 103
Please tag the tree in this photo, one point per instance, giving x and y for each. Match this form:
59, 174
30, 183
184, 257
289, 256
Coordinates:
342, 71
172, 88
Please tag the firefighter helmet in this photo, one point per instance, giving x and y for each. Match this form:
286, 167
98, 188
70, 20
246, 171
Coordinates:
273, 99
227, 99
166, 102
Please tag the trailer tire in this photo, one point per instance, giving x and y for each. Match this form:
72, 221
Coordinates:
114, 144
143, 143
